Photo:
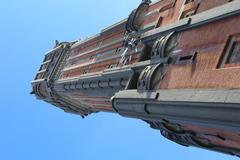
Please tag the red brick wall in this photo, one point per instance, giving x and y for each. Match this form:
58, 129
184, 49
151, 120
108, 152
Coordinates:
209, 41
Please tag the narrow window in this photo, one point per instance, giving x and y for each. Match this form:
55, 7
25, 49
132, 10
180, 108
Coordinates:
231, 53
234, 56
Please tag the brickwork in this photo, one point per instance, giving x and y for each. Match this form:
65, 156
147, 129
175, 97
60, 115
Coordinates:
209, 42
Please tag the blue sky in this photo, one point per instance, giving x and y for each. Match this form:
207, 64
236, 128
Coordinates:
31, 129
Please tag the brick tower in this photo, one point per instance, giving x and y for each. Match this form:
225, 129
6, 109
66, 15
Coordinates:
174, 64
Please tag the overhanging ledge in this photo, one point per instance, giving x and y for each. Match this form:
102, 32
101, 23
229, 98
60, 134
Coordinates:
207, 107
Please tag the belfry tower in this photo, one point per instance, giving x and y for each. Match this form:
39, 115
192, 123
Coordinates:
174, 64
